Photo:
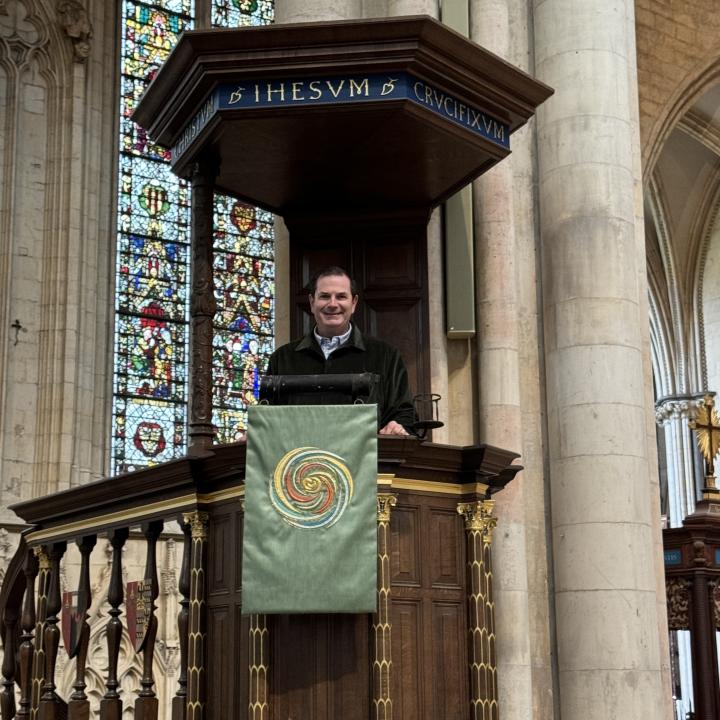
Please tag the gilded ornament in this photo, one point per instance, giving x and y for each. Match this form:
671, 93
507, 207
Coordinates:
198, 522
707, 430
385, 503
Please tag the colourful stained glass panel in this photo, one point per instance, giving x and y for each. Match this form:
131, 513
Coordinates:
244, 277
152, 257
237, 13
146, 432
244, 289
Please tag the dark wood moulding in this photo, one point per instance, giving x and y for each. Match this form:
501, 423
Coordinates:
185, 484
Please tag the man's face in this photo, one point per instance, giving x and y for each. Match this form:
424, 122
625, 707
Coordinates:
332, 305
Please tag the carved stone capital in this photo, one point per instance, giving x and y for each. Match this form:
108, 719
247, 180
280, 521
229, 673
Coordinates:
385, 503
677, 408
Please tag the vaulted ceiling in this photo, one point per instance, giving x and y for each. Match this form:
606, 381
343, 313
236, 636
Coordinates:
681, 203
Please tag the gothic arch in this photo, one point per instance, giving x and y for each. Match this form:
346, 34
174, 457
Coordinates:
705, 76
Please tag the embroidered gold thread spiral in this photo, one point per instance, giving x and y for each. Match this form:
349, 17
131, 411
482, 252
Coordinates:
311, 488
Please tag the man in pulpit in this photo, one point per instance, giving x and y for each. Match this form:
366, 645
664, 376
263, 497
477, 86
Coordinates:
336, 345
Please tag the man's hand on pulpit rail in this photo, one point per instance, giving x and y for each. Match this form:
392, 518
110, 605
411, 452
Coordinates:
393, 428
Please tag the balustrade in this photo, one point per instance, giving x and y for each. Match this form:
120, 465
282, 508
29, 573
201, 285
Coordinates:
233, 667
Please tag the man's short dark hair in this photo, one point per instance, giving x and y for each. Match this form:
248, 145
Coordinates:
326, 272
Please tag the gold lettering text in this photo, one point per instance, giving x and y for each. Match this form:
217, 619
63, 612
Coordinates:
475, 119
445, 105
257, 92
315, 89
361, 88
296, 90
462, 110
487, 122
280, 90
236, 95
499, 131
417, 92
335, 92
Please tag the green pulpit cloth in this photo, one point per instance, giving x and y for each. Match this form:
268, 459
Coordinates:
310, 531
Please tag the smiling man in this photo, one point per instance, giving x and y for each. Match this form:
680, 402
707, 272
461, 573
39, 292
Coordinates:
337, 346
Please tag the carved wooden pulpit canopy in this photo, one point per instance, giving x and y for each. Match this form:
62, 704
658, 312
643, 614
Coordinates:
380, 114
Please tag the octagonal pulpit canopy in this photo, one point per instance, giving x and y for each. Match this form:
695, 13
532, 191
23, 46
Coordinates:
369, 115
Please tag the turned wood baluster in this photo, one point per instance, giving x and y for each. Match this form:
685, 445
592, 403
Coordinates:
111, 705
79, 707
179, 707
10, 648
50, 703
27, 623
38, 658
146, 705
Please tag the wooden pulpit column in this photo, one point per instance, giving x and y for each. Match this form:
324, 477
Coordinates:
202, 307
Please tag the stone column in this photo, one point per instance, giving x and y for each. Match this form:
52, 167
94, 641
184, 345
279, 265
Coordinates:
295, 11
413, 7
604, 537
673, 414
499, 241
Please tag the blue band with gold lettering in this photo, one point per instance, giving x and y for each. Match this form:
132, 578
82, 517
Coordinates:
273, 93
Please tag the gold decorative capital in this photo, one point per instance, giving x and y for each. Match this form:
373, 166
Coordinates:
478, 517
198, 522
385, 503
43, 557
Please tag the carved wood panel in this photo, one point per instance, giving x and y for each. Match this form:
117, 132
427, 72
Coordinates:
227, 646
429, 611
319, 666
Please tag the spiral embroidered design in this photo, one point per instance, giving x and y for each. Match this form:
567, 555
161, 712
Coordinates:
311, 488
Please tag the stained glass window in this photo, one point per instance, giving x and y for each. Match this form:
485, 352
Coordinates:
151, 322
244, 277
234, 13
244, 284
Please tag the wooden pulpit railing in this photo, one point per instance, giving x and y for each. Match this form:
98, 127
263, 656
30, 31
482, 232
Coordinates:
428, 651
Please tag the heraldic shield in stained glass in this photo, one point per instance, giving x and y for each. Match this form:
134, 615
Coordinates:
151, 322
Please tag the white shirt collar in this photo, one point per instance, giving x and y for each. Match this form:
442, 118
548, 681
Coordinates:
329, 345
